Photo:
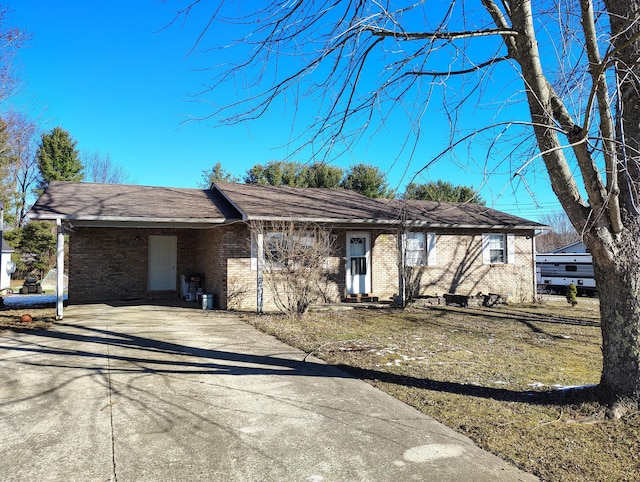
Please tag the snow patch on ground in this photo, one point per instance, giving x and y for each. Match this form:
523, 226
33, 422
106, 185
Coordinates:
574, 387
562, 387
17, 301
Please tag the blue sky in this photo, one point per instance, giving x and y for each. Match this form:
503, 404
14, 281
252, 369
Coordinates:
123, 85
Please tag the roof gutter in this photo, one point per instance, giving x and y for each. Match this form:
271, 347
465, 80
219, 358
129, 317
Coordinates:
126, 219
208, 222
394, 222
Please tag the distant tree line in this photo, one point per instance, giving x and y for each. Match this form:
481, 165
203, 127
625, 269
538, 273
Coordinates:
363, 178
562, 232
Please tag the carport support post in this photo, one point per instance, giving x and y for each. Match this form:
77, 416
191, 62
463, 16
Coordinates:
60, 271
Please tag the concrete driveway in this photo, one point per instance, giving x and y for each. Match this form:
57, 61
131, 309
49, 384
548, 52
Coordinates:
135, 393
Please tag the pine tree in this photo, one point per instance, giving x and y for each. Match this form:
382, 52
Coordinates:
58, 159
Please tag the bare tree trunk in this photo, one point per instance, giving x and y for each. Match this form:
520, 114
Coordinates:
618, 280
617, 268
609, 223
625, 37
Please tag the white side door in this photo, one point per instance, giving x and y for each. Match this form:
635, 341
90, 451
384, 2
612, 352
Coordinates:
162, 263
358, 263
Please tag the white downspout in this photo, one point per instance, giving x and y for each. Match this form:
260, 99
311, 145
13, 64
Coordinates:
60, 271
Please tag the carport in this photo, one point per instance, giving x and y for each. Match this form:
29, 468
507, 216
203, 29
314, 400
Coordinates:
146, 237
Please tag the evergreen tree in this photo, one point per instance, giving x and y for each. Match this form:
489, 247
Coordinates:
320, 174
216, 174
442, 191
274, 173
36, 247
284, 173
58, 159
367, 180
571, 294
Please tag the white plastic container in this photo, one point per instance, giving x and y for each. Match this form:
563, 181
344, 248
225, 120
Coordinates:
207, 301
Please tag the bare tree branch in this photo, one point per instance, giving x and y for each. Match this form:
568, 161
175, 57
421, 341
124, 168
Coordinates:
381, 32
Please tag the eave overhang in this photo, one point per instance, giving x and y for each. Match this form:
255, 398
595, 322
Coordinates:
396, 223
130, 221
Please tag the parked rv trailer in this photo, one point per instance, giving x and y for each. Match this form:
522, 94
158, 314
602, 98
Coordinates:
555, 271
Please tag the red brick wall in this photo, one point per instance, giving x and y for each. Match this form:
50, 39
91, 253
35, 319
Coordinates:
209, 261
237, 280
111, 263
384, 265
459, 268
223, 256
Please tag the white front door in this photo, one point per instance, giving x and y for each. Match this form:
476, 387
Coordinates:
358, 263
162, 263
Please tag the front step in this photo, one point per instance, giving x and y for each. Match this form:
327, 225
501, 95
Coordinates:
360, 298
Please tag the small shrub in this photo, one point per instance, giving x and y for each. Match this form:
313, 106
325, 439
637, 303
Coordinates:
294, 262
572, 293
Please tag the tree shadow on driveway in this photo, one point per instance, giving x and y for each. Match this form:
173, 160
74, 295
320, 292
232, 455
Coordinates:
151, 356
164, 357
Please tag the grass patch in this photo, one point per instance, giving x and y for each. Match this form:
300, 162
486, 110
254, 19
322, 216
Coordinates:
494, 378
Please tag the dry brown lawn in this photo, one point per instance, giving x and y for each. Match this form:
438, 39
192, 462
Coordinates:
499, 376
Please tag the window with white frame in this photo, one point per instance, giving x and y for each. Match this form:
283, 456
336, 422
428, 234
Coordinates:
275, 249
420, 249
287, 250
498, 248
497, 253
416, 251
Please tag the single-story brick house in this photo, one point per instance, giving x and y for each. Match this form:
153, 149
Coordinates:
140, 242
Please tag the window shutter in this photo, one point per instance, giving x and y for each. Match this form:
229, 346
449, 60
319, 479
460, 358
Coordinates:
431, 249
511, 248
254, 254
254, 251
486, 252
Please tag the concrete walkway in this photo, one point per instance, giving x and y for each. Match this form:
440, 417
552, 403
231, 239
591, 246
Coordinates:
136, 393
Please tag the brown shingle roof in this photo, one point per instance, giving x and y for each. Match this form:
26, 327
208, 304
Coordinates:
258, 202
447, 214
117, 203
114, 204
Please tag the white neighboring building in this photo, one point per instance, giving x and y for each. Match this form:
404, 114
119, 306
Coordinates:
571, 264
7, 267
